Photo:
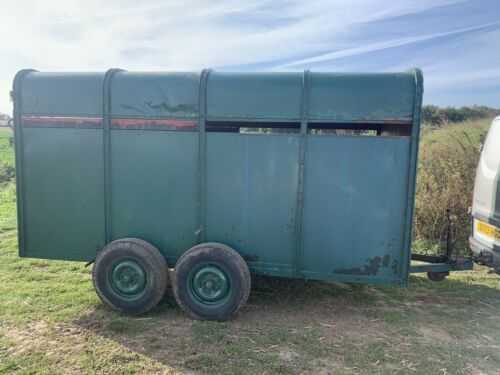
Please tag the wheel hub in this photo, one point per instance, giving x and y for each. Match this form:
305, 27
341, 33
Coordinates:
210, 284
128, 278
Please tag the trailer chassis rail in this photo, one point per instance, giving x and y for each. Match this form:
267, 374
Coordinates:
439, 264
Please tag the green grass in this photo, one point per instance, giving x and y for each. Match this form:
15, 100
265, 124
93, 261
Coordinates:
6, 154
52, 322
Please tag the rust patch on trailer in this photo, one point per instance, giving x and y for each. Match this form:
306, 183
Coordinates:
166, 107
133, 108
162, 108
371, 268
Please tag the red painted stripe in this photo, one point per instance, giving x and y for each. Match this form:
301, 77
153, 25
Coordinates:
61, 120
122, 123
171, 123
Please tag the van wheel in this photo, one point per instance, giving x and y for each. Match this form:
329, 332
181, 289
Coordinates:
437, 276
130, 275
212, 282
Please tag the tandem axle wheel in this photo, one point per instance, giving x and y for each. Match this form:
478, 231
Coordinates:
211, 282
130, 275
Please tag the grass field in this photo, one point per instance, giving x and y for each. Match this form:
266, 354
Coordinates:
52, 322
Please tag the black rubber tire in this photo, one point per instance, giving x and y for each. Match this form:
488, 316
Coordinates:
235, 268
150, 259
437, 276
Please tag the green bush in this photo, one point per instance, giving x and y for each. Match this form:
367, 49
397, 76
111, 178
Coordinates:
7, 172
448, 158
436, 116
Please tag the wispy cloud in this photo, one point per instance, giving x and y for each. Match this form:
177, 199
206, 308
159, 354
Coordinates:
386, 44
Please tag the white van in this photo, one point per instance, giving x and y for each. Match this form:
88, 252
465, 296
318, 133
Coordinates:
485, 238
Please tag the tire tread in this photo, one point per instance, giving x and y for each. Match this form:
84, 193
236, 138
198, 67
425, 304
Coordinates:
238, 261
153, 257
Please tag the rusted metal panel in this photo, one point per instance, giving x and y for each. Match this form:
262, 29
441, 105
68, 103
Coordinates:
244, 96
63, 180
62, 94
375, 98
154, 188
252, 195
354, 206
155, 95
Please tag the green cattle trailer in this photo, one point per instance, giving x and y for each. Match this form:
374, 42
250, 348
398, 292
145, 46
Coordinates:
300, 175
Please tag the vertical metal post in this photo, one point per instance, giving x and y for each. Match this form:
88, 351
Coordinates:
202, 156
304, 113
106, 142
19, 157
412, 176
449, 244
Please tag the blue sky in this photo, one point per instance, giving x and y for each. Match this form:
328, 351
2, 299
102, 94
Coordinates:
456, 43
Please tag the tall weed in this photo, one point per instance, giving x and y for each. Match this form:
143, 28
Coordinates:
448, 158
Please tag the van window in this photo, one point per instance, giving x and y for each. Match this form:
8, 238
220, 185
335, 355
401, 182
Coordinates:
491, 150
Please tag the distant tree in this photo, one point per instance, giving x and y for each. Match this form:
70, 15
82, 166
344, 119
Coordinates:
436, 116
4, 120
431, 115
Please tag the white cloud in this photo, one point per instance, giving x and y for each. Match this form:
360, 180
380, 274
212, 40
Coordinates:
88, 35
